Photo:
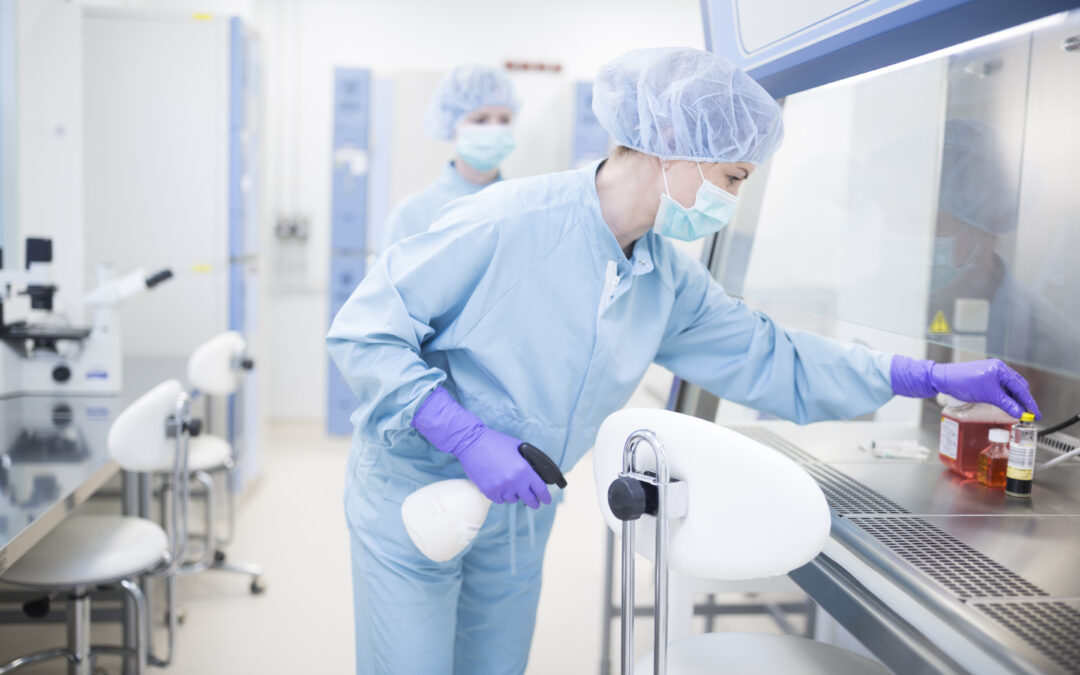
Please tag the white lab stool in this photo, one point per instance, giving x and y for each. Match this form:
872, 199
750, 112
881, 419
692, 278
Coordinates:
685, 591
87, 551
714, 504
216, 368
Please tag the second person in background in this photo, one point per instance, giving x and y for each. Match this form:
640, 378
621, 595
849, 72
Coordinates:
474, 106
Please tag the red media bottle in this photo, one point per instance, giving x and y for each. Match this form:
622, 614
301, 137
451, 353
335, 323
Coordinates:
965, 428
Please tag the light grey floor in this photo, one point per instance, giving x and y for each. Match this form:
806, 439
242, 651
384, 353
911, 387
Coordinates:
292, 522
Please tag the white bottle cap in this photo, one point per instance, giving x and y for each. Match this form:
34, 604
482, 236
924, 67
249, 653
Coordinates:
999, 436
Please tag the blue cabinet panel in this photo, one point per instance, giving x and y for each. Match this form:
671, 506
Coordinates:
345, 273
237, 296
348, 220
590, 139
237, 73
237, 151
349, 199
348, 211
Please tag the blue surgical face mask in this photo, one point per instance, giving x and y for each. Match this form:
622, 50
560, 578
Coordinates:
946, 272
712, 211
484, 146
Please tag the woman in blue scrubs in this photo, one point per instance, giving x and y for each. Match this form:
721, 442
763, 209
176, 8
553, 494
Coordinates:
473, 106
529, 312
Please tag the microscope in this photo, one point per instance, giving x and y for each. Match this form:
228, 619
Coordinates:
45, 354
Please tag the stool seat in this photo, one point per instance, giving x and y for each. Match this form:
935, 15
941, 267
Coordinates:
89, 550
207, 452
760, 654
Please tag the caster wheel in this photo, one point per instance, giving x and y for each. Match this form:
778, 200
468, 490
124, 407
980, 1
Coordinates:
258, 586
219, 556
36, 609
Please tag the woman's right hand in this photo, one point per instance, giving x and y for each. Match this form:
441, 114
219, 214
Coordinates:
490, 458
493, 462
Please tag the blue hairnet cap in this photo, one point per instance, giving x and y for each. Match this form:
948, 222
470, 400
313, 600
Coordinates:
975, 186
682, 103
463, 90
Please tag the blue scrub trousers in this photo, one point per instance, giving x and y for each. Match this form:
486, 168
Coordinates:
469, 615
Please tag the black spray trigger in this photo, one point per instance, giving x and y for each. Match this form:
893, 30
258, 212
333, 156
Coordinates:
543, 465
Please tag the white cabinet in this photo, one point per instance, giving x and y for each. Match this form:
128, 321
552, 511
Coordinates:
170, 170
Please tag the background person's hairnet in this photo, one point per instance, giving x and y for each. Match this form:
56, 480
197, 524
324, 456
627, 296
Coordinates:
463, 90
975, 186
682, 103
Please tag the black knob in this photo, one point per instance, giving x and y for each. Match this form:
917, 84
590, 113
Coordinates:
194, 427
38, 608
247, 363
62, 415
158, 277
61, 373
627, 498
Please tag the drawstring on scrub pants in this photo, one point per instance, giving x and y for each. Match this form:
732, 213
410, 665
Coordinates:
530, 518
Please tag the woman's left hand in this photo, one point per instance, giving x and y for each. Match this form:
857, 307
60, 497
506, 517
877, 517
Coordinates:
987, 381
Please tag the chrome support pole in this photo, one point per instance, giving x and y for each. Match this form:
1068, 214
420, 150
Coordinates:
663, 513
78, 632
207, 559
142, 628
627, 598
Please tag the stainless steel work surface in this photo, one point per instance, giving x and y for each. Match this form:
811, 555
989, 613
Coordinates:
928, 488
997, 571
53, 456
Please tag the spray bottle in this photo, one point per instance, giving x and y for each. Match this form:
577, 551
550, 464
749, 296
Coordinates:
443, 518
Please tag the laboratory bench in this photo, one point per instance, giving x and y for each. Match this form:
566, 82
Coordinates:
53, 457
933, 572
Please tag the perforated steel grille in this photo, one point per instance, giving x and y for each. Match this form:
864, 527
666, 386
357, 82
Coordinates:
947, 560
777, 442
1051, 627
847, 496
1057, 444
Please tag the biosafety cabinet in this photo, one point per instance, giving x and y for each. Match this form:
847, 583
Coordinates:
171, 159
923, 202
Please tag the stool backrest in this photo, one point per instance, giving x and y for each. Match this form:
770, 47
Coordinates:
214, 367
752, 512
138, 438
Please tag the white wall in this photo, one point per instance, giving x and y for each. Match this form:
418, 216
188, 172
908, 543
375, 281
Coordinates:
304, 41
8, 134
49, 141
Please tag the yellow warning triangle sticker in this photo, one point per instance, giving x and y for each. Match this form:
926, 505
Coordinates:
939, 325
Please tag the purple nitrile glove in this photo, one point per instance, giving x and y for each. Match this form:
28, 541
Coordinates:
988, 381
491, 459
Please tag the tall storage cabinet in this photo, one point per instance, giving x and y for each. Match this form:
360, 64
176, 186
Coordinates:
348, 226
171, 159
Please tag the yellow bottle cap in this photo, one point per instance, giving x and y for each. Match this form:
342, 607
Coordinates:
1027, 417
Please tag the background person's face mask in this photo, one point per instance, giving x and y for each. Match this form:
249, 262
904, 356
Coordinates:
946, 272
484, 146
712, 211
